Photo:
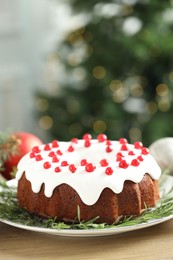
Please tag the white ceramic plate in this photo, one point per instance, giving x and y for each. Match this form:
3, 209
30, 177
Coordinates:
168, 184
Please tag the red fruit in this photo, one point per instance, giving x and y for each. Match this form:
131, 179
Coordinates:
26, 141
89, 167
72, 168
87, 143
71, 148
83, 162
57, 169
124, 147
64, 163
108, 149
135, 162
46, 165
138, 145
109, 171
87, 136
103, 163
145, 151
101, 138
38, 157
123, 164
123, 141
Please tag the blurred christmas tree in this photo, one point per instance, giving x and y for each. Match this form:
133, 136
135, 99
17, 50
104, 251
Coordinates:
118, 74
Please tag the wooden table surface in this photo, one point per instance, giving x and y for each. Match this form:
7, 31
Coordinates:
149, 243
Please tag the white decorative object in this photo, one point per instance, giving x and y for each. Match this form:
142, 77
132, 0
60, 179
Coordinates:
162, 151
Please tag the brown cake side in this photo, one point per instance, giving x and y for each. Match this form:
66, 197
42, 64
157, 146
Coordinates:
109, 207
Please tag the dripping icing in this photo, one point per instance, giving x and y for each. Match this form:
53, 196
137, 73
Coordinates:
88, 184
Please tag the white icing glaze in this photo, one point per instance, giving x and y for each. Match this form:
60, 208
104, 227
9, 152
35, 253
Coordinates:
88, 185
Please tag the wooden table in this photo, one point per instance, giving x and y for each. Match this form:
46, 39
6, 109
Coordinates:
150, 243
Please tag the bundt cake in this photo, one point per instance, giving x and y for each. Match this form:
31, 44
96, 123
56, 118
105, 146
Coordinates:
103, 178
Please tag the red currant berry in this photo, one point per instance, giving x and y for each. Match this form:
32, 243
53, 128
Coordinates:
32, 155
89, 167
55, 159
138, 145
83, 162
57, 169
108, 149
119, 158
108, 142
51, 154
59, 152
135, 162
109, 171
120, 154
87, 143
47, 147
104, 163
46, 165
55, 144
131, 153
74, 140
124, 147
123, 164
38, 157
71, 148
123, 141
101, 138
140, 158
72, 168
36, 149
64, 163
145, 151
87, 137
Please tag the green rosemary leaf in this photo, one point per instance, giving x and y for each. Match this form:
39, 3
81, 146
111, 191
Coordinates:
52, 223
88, 224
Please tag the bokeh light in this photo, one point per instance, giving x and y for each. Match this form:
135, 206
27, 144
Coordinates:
162, 90
99, 72
99, 126
46, 122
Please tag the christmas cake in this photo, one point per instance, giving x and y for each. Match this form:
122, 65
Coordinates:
103, 178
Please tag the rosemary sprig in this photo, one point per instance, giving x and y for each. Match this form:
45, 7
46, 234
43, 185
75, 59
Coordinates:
9, 210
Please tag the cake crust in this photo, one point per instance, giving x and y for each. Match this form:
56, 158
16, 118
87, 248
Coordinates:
109, 208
